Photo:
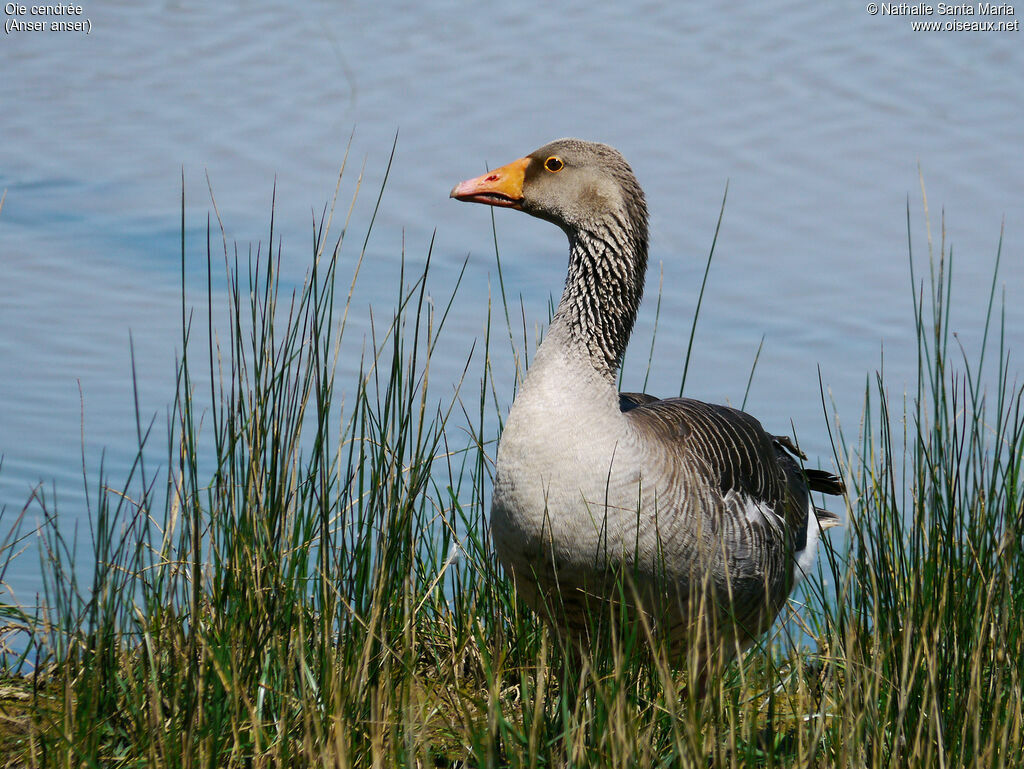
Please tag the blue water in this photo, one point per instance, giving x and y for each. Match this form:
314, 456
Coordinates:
818, 118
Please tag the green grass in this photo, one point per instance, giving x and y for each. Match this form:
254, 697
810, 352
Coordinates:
308, 579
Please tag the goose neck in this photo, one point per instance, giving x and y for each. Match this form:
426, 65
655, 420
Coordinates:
602, 294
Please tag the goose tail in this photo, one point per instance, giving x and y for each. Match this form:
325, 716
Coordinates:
825, 482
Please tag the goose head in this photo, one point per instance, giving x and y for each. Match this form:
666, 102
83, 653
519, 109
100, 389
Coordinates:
589, 190
580, 186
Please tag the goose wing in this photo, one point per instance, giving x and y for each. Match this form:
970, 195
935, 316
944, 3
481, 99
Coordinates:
721, 470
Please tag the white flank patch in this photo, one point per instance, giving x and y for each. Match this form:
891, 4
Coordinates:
806, 558
757, 512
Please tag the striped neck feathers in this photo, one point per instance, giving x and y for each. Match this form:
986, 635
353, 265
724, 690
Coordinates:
603, 288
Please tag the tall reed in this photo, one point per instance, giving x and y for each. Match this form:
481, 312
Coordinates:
927, 629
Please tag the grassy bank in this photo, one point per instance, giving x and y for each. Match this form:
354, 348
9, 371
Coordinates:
308, 579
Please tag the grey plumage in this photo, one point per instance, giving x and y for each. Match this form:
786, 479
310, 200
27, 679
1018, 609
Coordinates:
708, 516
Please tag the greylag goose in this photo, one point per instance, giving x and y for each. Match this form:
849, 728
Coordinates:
708, 516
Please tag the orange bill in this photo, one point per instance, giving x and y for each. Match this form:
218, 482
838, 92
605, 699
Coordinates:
500, 187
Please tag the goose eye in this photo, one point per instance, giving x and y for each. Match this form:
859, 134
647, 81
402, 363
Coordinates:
554, 164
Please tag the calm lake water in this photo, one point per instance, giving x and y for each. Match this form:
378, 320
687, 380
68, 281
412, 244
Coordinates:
819, 118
